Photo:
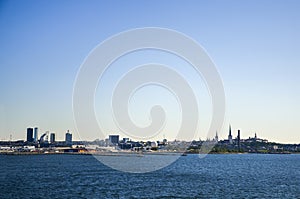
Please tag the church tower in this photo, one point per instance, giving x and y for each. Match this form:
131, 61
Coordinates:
230, 135
216, 137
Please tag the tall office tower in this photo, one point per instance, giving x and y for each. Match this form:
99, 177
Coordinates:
68, 139
35, 134
113, 139
52, 137
29, 135
230, 135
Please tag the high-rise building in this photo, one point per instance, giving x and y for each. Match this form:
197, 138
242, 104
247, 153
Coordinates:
68, 138
52, 137
35, 134
230, 135
29, 135
113, 139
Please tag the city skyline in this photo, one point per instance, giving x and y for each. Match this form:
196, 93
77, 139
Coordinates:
255, 46
33, 136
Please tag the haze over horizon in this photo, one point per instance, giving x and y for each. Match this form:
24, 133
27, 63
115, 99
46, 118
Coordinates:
255, 46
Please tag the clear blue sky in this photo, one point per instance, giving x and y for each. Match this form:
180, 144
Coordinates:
254, 44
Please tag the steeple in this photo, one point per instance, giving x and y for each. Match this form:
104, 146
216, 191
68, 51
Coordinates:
239, 139
230, 136
216, 137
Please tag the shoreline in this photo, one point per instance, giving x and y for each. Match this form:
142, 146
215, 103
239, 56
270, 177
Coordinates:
137, 154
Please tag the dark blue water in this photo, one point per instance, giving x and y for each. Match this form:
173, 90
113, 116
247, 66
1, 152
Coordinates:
215, 176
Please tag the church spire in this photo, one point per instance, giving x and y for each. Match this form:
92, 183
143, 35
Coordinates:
216, 137
230, 136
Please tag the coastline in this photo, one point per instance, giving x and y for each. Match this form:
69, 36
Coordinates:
139, 154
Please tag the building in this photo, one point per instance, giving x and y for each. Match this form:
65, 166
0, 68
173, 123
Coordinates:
216, 139
52, 137
165, 141
239, 139
68, 139
36, 134
256, 139
113, 139
29, 135
46, 137
230, 136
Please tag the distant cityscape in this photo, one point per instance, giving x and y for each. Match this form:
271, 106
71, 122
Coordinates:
47, 143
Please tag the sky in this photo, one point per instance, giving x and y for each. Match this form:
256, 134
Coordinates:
255, 46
